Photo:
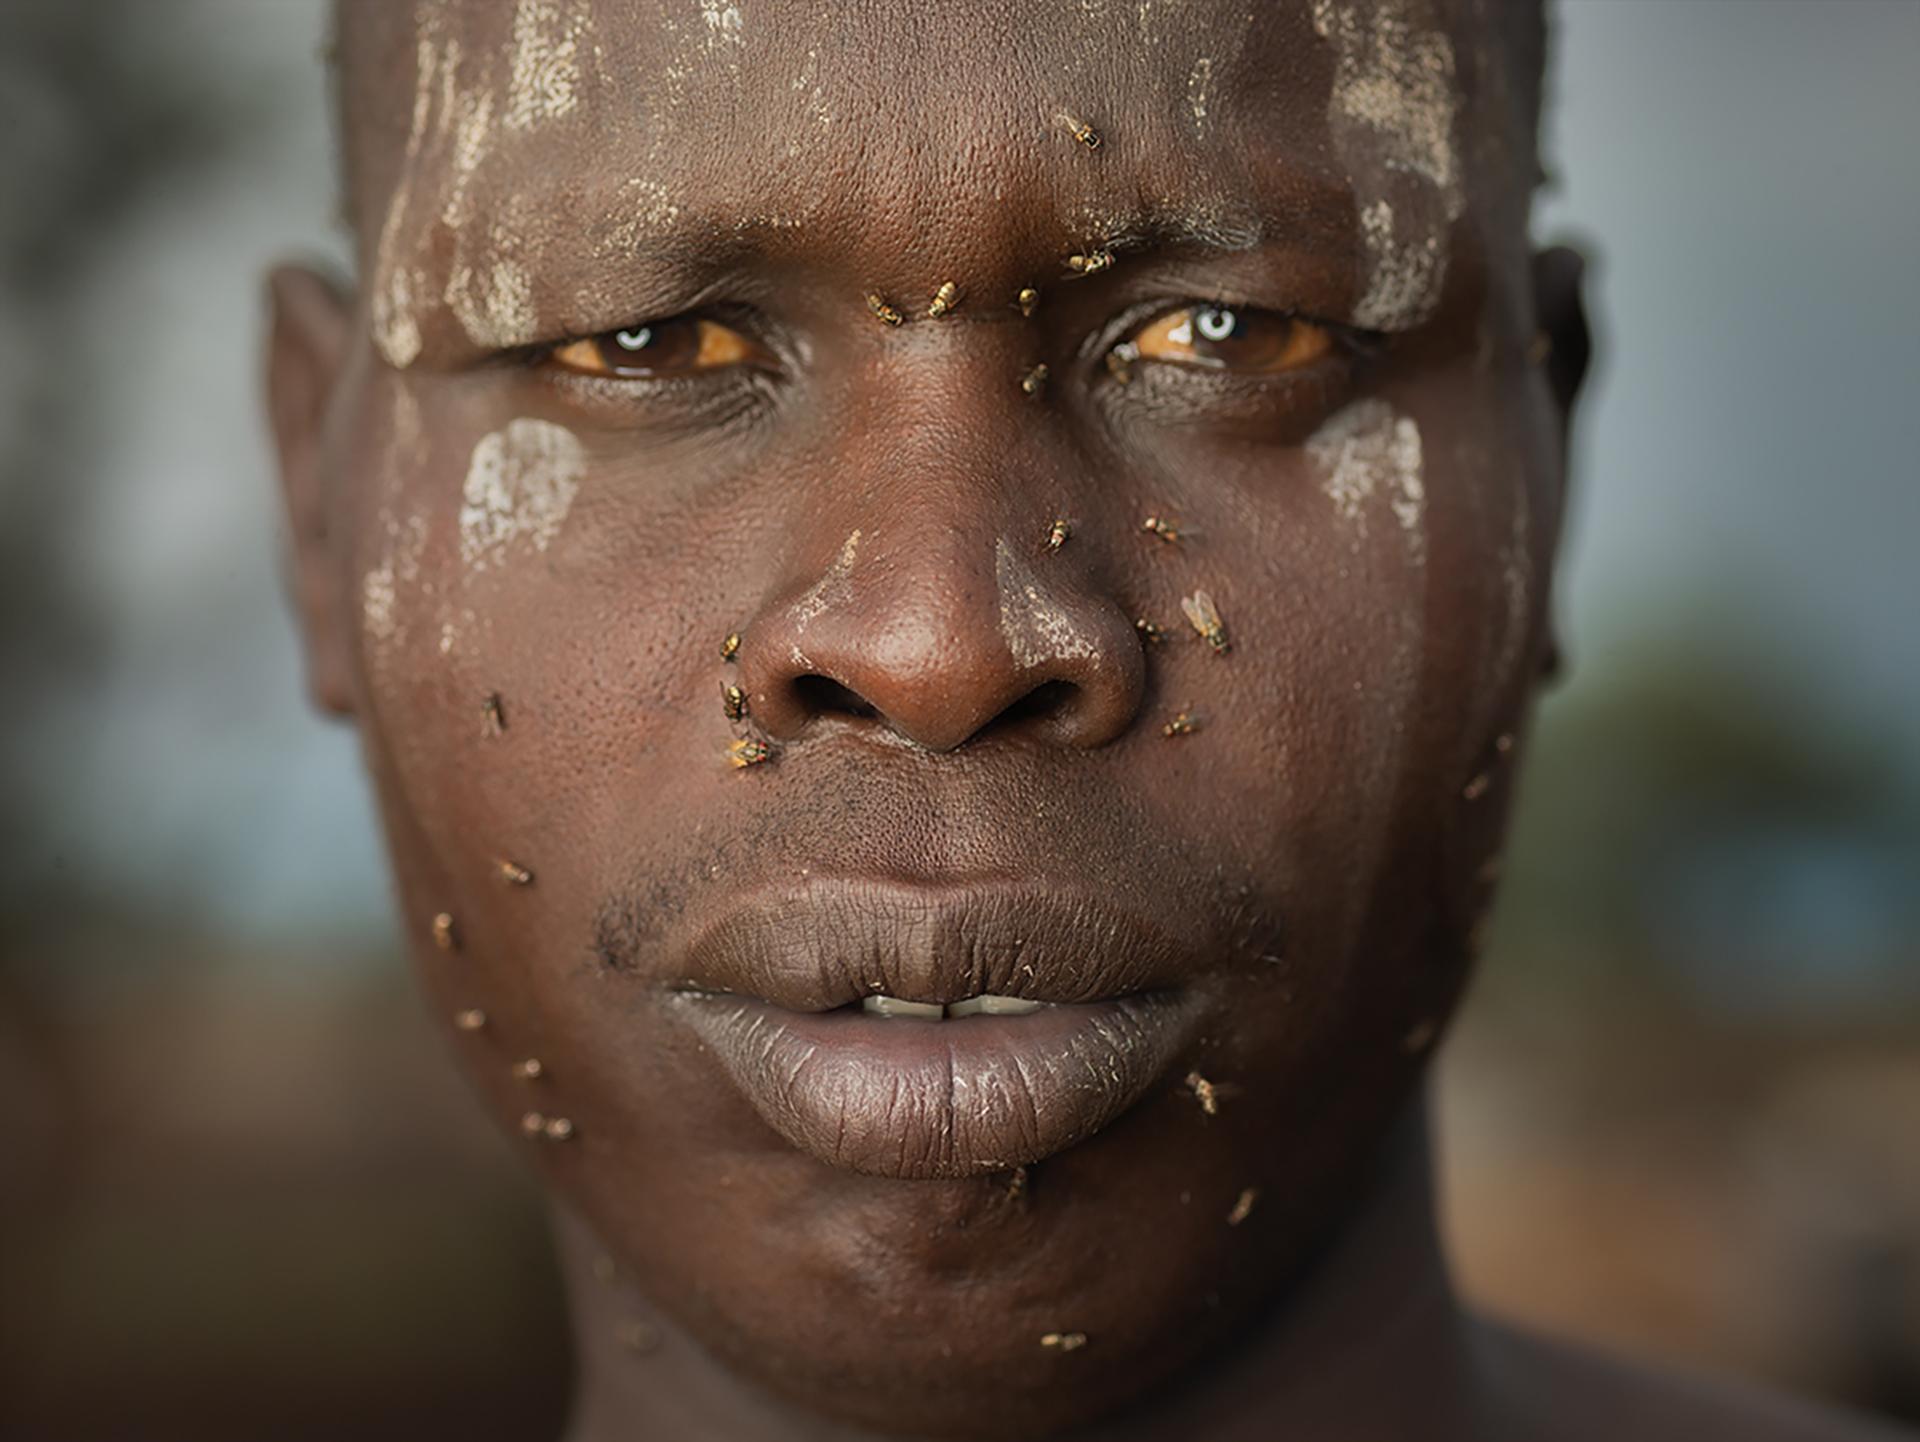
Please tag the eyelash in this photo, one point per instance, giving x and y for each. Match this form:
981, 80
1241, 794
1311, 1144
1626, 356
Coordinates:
1179, 394
1278, 408
697, 403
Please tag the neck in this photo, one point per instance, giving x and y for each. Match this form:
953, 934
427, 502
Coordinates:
1368, 1345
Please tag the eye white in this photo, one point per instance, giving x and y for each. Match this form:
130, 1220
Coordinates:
1215, 325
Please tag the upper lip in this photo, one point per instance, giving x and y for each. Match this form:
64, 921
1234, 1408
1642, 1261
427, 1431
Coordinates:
828, 943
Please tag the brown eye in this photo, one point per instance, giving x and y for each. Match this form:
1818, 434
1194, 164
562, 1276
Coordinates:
678, 346
1217, 337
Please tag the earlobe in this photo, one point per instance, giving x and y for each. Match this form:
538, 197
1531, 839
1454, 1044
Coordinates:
1560, 313
309, 341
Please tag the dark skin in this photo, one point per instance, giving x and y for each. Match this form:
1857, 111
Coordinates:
952, 707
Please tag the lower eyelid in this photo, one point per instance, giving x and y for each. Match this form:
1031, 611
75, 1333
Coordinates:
695, 401
1280, 408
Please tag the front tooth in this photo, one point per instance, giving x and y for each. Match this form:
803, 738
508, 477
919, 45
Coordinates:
990, 1005
894, 1006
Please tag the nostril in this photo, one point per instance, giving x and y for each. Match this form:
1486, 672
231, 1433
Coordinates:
1045, 702
824, 696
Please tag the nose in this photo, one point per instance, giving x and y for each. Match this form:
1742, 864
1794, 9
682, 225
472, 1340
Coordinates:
945, 634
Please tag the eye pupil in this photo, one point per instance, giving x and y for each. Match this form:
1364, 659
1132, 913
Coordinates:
1216, 324
637, 339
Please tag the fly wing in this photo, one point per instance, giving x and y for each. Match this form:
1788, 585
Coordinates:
1198, 609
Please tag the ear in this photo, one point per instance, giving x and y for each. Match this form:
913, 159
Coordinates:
309, 340
1560, 318
1560, 315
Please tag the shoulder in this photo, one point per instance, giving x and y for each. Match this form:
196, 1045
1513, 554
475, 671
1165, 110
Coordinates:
1562, 1392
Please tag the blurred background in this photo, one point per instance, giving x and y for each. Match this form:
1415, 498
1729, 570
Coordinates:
242, 1194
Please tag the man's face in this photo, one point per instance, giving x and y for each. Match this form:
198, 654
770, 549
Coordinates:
616, 392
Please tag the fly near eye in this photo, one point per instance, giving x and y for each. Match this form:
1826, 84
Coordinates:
1217, 337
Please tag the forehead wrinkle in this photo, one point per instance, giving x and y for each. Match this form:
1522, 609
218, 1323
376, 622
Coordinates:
939, 183
934, 160
991, 216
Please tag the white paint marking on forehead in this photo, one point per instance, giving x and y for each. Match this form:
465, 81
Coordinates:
487, 288
544, 64
809, 85
649, 208
1199, 84
398, 288
1036, 631
726, 26
1367, 450
459, 119
1392, 114
520, 485
1221, 222
493, 299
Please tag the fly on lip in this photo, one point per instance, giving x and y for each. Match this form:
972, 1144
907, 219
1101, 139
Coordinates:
986, 1004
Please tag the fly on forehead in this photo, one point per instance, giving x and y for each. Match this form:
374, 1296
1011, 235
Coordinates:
1079, 129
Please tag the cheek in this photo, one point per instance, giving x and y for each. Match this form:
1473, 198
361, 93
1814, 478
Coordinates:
456, 535
534, 630
1383, 644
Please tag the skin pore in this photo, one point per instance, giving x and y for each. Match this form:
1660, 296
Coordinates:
620, 381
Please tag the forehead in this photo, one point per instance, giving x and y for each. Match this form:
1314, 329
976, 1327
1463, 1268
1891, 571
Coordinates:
590, 129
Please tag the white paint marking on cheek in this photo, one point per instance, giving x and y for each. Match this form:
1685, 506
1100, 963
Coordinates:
544, 64
402, 542
380, 588
1409, 498
376, 601
520, 485
1367, 449
1392, 115
832, 589
1036, 632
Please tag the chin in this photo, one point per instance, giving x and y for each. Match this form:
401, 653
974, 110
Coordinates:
988, 1307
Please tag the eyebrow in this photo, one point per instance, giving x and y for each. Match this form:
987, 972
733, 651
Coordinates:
621, 261
1316, 215
1279, 202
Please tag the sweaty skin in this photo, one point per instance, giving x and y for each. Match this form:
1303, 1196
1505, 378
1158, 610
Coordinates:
968, 776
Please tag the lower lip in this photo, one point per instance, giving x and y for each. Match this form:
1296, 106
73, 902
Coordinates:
898, 1097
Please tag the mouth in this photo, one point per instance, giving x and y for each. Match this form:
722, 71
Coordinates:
917, 1033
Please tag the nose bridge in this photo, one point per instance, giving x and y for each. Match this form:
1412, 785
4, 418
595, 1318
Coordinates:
924, 598
909, 591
